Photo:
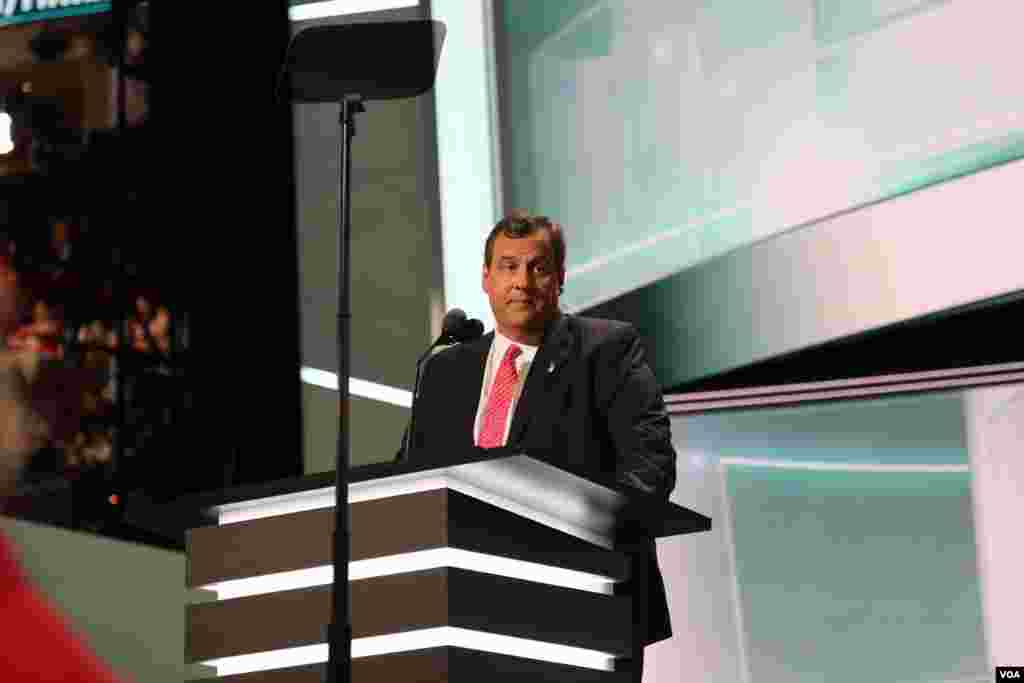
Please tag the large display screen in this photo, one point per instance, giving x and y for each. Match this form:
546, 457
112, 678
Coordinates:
24, 11
666, 134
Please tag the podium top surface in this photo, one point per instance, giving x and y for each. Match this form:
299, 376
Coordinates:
536, 485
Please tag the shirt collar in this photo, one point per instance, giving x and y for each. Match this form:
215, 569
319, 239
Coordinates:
501, 344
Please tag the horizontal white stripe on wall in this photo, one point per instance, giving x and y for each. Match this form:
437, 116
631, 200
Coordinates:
357, 387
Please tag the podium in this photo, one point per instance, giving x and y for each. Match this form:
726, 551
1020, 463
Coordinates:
500, 567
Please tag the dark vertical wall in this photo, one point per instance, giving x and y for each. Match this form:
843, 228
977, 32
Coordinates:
226, 216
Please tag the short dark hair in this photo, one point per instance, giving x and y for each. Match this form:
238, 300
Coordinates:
520, 223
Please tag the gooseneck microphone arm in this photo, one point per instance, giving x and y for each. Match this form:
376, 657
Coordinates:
455, 329
407, 441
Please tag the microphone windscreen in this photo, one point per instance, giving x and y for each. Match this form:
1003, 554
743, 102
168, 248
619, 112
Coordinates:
469, 331
453, 321
473, 329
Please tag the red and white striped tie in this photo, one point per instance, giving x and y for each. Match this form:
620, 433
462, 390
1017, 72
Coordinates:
492, 431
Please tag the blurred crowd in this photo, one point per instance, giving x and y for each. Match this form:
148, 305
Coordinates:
46, 315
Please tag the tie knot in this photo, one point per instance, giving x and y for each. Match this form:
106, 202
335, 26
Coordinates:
512, 353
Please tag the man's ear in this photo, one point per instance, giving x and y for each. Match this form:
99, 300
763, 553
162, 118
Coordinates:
483, 280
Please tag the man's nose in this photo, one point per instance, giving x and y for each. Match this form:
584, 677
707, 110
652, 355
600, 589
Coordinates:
521, 279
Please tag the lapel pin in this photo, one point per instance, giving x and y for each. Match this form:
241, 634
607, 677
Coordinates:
551, 368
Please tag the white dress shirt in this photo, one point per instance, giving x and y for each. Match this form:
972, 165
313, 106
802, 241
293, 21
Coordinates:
494, 357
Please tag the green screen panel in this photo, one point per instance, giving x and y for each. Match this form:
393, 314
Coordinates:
835, 563
849, 530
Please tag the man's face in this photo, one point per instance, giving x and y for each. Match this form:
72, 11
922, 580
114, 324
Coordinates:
522, 284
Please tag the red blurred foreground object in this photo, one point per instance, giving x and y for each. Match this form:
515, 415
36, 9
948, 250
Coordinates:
39, 644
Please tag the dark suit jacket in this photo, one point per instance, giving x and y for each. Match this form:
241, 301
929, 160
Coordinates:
590, 397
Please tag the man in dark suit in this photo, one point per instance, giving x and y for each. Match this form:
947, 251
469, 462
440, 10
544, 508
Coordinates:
556, 383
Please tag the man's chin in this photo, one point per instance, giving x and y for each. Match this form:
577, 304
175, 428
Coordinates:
522, 320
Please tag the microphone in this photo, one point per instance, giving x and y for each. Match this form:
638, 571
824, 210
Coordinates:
471, 330
453, 323
456, 328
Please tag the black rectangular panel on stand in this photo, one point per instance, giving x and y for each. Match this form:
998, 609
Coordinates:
350, 64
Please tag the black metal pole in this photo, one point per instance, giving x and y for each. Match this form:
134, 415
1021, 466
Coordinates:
339, 632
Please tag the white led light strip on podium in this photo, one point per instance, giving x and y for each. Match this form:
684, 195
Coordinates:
417, 482
418, 640
414, 562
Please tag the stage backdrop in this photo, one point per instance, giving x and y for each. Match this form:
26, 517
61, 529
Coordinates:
843, 547
664, 134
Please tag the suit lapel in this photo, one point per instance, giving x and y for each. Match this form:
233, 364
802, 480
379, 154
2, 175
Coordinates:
468, 392
544, 371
